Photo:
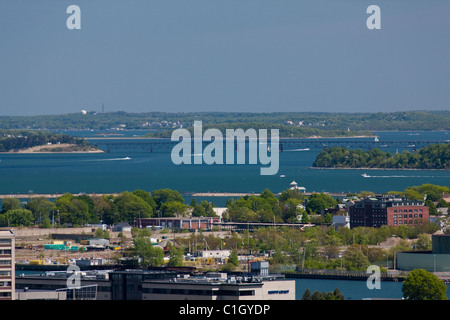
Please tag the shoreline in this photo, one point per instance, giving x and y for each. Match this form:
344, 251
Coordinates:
57, 148
224, 138
51, 195
368, 168
188, 194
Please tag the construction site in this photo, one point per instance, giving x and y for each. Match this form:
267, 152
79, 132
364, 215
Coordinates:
39, 246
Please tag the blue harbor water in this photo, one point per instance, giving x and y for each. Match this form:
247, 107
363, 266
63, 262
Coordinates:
121, 170
128, 170
351, 289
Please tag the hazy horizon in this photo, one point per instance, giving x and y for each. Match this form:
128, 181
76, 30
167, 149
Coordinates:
254, 56
97, 112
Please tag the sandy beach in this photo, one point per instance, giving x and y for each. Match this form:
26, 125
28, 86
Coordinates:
56, 148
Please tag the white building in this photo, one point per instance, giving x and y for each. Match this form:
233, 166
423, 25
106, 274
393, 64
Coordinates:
341, 221
294, 186
7, 264
218, 288
217, 254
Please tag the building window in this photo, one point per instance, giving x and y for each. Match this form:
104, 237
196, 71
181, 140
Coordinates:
278, 292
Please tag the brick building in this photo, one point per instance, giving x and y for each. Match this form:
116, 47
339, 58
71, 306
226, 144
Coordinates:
391, 211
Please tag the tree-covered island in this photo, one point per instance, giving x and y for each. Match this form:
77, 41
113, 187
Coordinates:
434, 156
42, 141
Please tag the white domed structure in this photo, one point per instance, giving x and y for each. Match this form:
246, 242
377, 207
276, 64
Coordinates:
294, 186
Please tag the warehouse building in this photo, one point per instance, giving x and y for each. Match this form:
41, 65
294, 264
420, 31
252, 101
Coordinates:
436, 260
178, 223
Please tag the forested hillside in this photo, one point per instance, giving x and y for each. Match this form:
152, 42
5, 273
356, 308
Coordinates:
380, 121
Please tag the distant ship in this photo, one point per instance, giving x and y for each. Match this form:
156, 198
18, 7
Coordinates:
376, 139
365, 175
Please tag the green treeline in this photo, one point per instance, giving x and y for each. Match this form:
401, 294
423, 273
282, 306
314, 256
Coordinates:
21, 139
316, 246
78, 210
391, 121
285, 131
435, 156
290, 206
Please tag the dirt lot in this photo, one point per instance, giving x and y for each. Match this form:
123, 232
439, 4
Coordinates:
30, 243
30, 246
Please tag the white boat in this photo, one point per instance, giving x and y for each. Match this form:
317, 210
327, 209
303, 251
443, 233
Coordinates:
376, 139
365, 175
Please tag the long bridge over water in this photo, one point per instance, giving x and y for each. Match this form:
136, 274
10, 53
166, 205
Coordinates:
285, 144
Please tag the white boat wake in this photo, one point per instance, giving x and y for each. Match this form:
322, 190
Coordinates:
112, 159
402, 176
306, 149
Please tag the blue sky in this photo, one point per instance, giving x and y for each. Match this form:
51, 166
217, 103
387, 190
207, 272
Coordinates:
224, 55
